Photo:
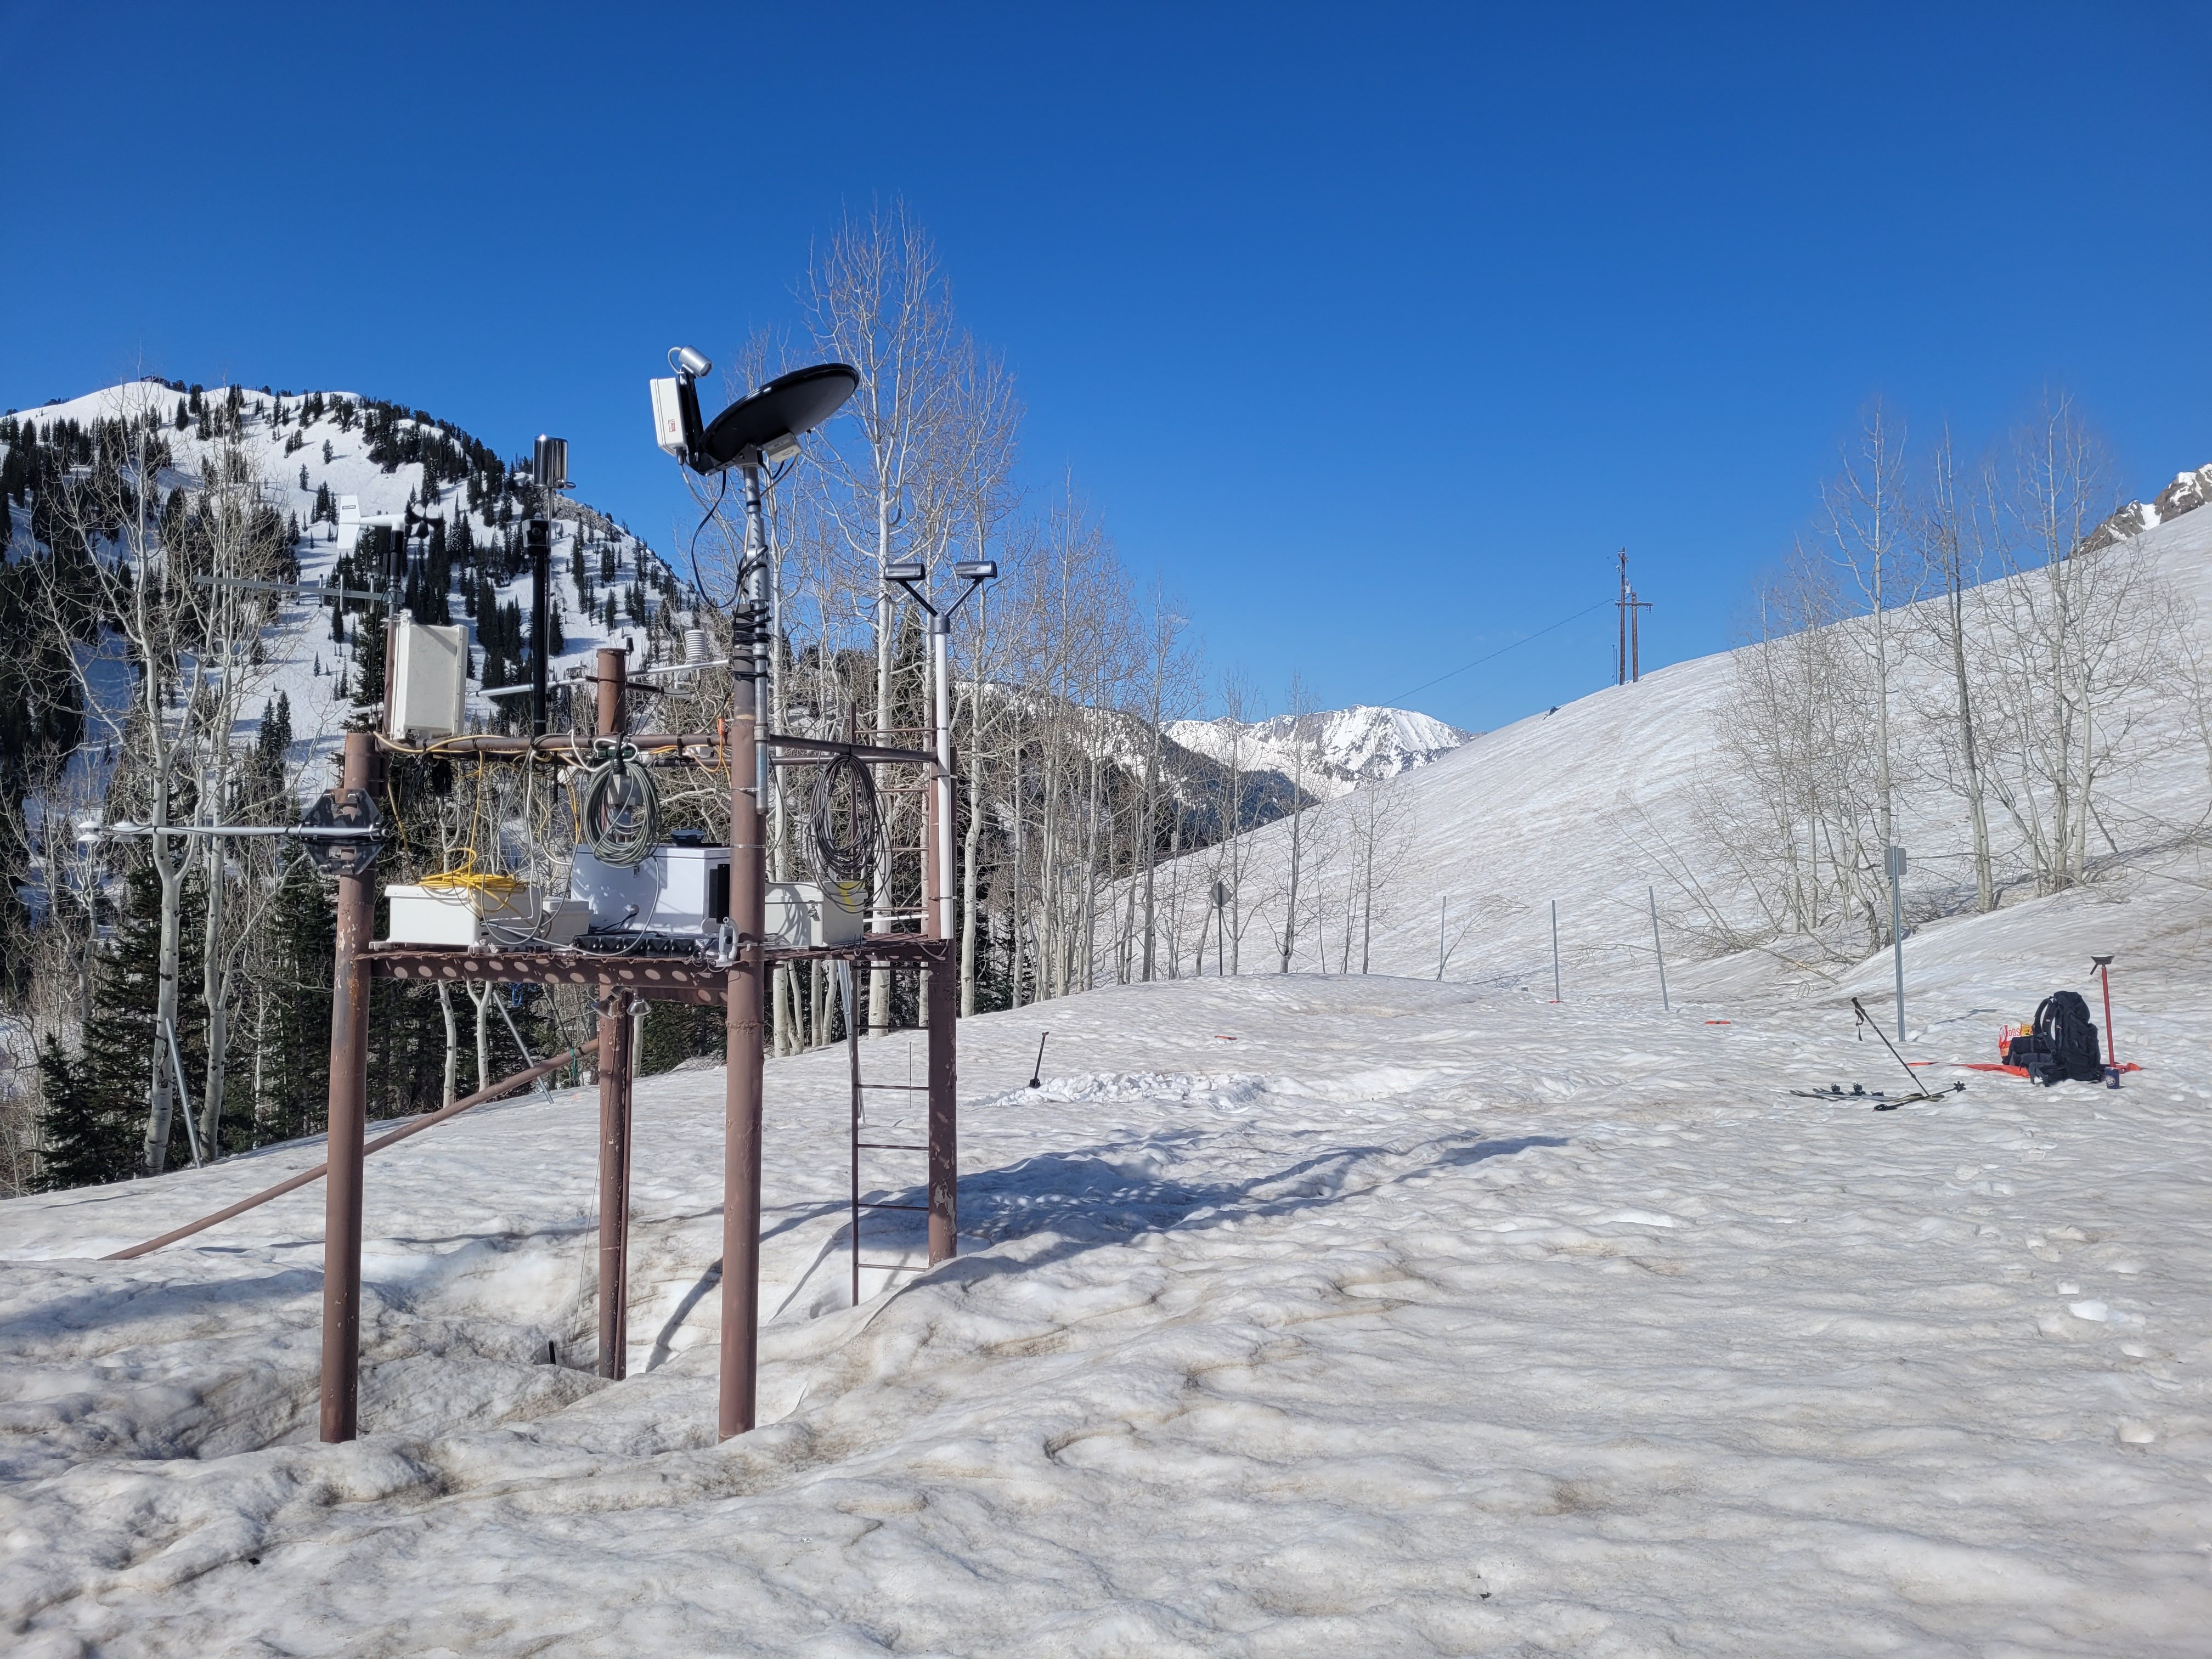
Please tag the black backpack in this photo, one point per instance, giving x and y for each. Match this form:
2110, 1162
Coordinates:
2065, 1047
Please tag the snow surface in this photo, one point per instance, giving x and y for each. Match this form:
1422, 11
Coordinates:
1376, 1316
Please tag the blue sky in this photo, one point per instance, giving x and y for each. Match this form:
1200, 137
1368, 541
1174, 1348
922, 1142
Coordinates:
1374, 331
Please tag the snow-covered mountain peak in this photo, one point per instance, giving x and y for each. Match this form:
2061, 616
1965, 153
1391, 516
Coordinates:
340, 466
1335, 749
2188, 491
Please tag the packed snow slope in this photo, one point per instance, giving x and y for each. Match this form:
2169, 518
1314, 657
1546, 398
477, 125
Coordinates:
1597, 805
1293, 1313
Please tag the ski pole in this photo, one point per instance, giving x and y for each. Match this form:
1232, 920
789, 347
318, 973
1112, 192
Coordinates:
2105, 974
1865, 1018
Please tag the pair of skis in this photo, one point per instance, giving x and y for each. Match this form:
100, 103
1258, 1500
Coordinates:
1882, 1101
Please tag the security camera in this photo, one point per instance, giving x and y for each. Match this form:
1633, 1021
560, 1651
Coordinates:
685, 361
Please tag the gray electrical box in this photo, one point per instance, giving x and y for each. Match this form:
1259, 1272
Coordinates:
678, 889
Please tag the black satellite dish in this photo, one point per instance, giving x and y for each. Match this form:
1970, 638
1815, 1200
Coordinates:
787, 406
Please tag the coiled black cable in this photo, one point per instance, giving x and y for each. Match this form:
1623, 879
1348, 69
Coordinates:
621, 807
846, 818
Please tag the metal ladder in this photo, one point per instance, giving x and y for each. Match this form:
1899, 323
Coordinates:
859, 1087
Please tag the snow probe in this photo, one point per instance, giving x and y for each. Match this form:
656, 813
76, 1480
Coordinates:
1920, 1093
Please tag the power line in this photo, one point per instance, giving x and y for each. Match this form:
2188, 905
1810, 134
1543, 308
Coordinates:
1393, 701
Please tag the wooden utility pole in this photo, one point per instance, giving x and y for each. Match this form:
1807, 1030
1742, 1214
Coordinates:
1620, 609
1630, 655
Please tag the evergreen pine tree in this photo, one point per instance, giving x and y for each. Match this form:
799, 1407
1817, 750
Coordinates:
272, 742
102, 1095
369, 659
297, 959
83, 1145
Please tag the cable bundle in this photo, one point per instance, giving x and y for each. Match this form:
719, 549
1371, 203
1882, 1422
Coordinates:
849, 843
749, 631
620, 819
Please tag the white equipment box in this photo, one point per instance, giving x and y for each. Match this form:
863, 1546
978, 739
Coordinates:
685, 889
799, 915
668, 416
470, 916
427, 688
677, 889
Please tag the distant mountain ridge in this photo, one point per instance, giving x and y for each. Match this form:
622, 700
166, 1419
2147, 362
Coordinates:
1342, 748
2188, 492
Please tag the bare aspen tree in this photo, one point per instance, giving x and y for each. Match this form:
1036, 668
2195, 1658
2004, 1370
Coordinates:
1300, 707
1799, 810
875, 300
1947, 532
167, 623
985, 422
2077, 628
1236, 703
1167, 678
1379, 840
233, 533
1864, 510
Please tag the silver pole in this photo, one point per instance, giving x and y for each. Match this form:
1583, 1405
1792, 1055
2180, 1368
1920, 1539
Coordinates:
1555, 951
1895, 860
940, 644
1443, 909
184, 1093
1657, 949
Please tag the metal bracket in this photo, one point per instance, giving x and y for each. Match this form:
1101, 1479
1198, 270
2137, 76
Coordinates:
352, 831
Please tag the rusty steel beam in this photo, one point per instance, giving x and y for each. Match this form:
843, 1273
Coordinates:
505, 1086
658, 979
561, 746
615, 1094
813, 751
615, 1071
349, 1113
944, 1114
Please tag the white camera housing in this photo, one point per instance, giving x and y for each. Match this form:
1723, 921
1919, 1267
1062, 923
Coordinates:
668, 417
